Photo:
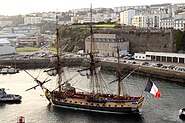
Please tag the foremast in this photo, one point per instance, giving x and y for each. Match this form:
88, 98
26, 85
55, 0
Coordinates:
92, 63
59, 65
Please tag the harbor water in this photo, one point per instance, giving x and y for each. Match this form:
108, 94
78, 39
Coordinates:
36, 108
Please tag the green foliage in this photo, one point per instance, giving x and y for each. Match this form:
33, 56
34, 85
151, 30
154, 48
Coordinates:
53, 49
47, 26
73, 36
27, 49
180, 40
105, 25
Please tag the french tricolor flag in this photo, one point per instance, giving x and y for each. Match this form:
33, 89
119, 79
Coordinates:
152, 88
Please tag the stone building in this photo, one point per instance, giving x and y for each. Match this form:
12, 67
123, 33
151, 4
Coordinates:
106, 44
30, 40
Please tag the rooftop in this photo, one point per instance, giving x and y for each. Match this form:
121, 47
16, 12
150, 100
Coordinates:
4, 41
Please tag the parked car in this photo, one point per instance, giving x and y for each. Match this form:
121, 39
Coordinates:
158, 65
145, 63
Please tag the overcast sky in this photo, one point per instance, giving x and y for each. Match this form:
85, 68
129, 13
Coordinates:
15, 7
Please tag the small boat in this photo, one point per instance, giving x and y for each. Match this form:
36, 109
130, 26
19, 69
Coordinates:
8, 98
182, 113
8, 70
13, 70
4, 71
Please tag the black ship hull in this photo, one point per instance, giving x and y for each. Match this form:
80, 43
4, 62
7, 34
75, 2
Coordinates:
112, 110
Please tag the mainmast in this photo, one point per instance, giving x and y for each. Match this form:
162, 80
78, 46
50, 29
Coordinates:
92, 63
58, 68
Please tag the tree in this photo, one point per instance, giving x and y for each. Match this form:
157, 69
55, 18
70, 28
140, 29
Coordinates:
180, 40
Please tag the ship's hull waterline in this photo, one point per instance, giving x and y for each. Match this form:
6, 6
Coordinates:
119, 107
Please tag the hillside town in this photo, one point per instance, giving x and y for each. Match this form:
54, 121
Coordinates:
38, 29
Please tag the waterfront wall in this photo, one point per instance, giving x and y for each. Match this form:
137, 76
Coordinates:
38, 63
155, 72
125, 68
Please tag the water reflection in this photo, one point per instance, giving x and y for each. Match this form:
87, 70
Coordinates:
3, 104
76, 116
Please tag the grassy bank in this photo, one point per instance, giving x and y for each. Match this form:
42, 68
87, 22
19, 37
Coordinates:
27, 49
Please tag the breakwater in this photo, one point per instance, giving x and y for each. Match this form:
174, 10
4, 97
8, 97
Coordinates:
165, 74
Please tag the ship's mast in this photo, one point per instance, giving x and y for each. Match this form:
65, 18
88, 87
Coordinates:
118, 73
58, 68
91, 32
92, 63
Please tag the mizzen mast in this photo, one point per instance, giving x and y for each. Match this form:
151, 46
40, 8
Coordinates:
118, 74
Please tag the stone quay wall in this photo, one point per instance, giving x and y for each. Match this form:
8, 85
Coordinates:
170, 75
38, 63
165, 74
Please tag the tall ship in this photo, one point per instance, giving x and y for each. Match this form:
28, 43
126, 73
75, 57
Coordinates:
98, 99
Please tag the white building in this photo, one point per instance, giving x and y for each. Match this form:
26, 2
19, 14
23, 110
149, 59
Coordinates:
21, 30
146, 21
179, 21
167, 23
124, 8
80, 10
161, 56
32, 20
179, 24
139, 21
126, 17
153, 21
140, 56
6, 47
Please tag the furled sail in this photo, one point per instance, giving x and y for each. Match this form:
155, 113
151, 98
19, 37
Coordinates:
87, 72
51, 72
97, 69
